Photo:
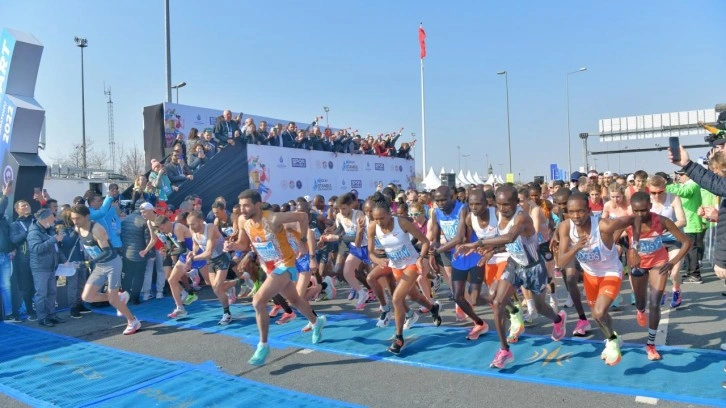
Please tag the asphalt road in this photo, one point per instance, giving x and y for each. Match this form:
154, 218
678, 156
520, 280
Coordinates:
698, 323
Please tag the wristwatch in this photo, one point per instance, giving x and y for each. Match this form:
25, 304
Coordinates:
304, 240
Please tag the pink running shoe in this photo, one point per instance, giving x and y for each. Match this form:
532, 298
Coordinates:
558, 330
460, 315
276, 309
502, 358
286, 318
477, 331
581, 328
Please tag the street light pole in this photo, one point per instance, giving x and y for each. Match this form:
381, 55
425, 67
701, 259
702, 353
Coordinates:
177, 86
569, 141
83, 43
167, 43
327, 123
466, 161
509, 135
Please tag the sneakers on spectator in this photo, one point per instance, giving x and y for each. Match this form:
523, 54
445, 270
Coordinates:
501, 359
123, 297
581, 328
75, 314
32, 317
132, 327
286, 318
260, 355
676, 301
178, 313
83, 309
693, 279
16, 319
146, 296
225, 320
558, 329
160, 295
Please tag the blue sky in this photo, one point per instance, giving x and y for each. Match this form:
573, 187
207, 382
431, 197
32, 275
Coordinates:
289, 59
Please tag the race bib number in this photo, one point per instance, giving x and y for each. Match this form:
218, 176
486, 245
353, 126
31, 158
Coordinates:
93, 252
514, 248
266, 251
449, 228
592, 255
399, 254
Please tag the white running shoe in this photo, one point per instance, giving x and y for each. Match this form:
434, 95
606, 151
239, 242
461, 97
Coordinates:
362, 299
184, 295
132, 327
226, 319
410, 321
384, 319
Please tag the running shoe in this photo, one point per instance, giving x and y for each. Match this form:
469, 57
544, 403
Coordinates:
260, 355
225, 320
124, 297
558, 273
581, 328
676, 301
396, 346
612, 354
147, 296
276, 309
436, 314
477, 331
16, 319
352, 294
436, 284
384, 319
641, 318
558, 329
516, 327
286, 318
184, 295
191, 299
460, 315
132, 327
501, 359
652, 352
244, 291
231, 295
307, 328
529, 318
75, 314
362, 299
423, 310
330, 290
553, 302
83, 309
177, 313
194, 277
569, 302
160, 295
693, 279
318, 329
371, 297
410, 321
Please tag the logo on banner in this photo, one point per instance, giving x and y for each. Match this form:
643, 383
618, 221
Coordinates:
8, 175
342, 183
292, 184
356, 184
6, 120
322, 184
298, 184
325, 164
298, 162
350, 165
212, 120
4, 63
380, 167
330, 165
281, 163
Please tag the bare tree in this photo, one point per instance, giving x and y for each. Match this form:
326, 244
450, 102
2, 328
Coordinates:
131, 162
74, 158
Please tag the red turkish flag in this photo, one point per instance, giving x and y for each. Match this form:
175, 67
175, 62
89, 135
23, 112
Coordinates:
422, 41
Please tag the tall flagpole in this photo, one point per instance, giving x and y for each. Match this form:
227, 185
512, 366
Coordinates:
422, 43
423, 121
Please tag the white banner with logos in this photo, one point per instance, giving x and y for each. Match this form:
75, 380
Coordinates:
282, 174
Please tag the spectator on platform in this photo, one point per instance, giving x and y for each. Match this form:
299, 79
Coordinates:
43, 248
177, 171
379, 146
139, 191
198, 158
210, 145
404, 152
249, 123
262, 133
226, 130
23, 288
159, 183
249, 134
192, 139
288, 136
273, 138
179, 146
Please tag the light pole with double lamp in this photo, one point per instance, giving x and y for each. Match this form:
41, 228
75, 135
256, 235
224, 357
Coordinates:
569, 138
177, 86
83, 43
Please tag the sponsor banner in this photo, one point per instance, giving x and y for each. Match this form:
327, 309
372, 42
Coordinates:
282, 174
7, 45
7, 117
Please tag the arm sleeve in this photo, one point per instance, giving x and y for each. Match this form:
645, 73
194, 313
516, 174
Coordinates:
706, 179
